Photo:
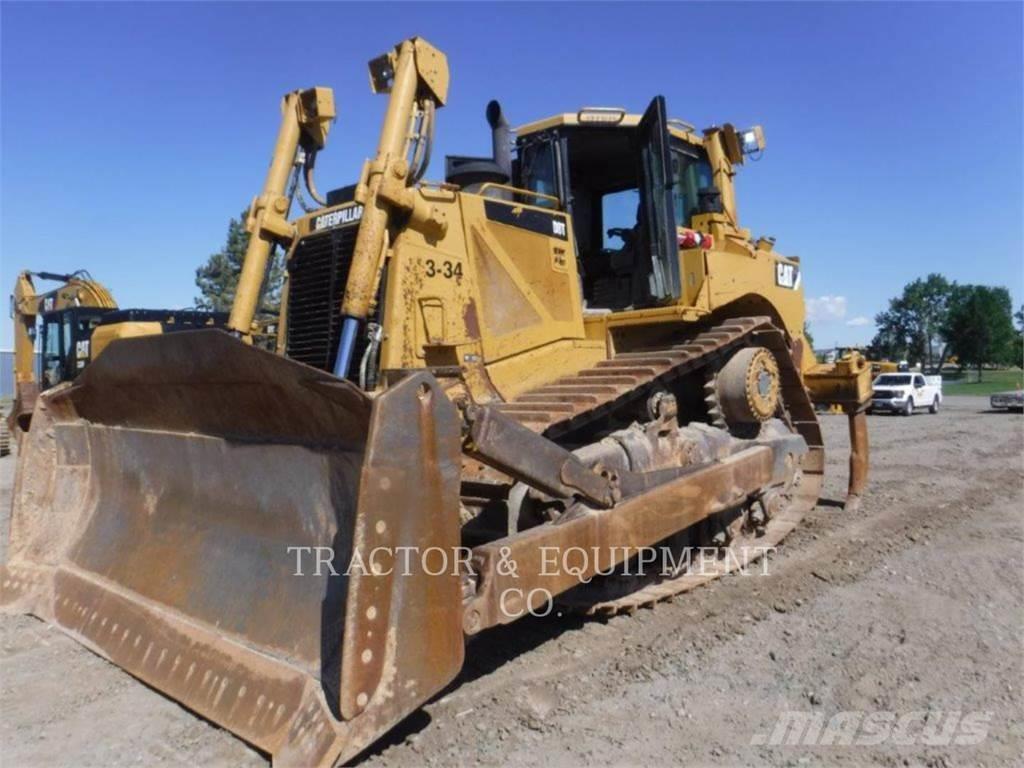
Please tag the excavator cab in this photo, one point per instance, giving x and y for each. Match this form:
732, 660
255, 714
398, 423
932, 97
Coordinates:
65, 341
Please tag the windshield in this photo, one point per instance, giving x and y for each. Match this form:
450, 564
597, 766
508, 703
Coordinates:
52, 362
539, 173
690, 175
891, 380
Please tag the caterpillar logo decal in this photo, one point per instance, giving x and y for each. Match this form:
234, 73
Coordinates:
541, 222
337, 218
787, 275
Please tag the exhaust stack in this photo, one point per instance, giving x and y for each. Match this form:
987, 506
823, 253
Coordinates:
501, 137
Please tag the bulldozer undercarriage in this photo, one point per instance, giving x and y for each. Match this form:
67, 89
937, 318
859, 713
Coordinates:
736, 530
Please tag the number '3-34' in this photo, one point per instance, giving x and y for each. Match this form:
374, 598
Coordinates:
447, 269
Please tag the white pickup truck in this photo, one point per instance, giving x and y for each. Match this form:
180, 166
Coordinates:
905, 392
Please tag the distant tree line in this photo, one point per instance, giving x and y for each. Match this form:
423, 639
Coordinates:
935, 319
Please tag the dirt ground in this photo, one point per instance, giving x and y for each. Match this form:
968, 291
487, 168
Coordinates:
913, 605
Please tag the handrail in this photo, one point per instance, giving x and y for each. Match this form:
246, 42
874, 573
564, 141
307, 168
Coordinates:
486, 187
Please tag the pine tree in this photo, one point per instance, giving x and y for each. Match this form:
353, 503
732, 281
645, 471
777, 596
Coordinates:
217, 279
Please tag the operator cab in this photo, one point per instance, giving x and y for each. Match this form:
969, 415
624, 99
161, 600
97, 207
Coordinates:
65, 343
628, 182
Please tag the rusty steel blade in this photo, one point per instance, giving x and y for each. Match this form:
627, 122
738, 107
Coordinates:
155, 506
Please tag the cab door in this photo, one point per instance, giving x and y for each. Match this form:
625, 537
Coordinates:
52, 363
661, 245
919, 385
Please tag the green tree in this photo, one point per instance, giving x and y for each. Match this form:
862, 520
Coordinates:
979, 326
911, 327
217, 279
892, 339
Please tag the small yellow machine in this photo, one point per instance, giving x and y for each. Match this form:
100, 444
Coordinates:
877, 366
65, 317
491, 392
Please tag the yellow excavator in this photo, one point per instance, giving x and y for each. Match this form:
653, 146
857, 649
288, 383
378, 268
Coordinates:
65, 317
72, 323
517, 386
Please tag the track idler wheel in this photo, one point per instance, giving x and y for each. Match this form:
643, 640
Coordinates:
748, 388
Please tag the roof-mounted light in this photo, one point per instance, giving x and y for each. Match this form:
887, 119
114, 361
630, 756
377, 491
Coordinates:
601, 115
675, 122
752, 140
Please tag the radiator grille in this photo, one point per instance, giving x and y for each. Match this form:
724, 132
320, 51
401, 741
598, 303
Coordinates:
317, 273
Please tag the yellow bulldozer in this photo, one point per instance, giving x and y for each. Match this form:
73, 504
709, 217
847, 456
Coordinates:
491, 393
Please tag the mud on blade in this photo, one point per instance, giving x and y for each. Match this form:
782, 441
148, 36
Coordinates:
156, 504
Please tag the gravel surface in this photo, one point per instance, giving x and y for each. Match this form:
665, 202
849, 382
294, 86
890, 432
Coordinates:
912, 609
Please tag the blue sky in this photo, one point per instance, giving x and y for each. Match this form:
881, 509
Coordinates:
132, 132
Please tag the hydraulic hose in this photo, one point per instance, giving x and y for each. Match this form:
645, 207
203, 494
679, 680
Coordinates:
308, 176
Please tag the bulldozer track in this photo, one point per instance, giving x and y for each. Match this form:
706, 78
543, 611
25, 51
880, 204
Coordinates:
567, 404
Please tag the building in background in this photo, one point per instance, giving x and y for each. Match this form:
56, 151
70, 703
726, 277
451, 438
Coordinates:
7, 373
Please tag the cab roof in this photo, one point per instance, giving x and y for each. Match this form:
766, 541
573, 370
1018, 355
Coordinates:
677, 128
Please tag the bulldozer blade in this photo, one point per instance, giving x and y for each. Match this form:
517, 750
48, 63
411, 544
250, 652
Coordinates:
182, 508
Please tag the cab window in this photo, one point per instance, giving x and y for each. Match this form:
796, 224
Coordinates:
619, 216
67, 327
84, 326
691, 174
52, 361
540, 171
